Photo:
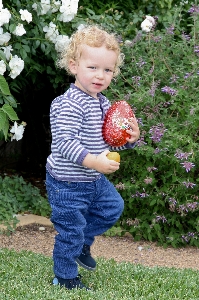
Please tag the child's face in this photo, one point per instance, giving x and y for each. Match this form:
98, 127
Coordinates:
94, 69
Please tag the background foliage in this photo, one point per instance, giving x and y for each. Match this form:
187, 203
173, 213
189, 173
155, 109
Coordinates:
159, 178
18, 196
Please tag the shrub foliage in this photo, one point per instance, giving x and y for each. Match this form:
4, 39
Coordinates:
159, 179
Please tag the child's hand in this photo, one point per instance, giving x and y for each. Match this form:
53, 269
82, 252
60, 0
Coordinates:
105, 165
134, 131
101, 163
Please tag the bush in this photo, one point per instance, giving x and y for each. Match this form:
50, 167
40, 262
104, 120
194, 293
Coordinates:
18, 196
159, 179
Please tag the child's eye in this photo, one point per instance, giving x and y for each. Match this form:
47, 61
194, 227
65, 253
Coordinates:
108, 70
93, 68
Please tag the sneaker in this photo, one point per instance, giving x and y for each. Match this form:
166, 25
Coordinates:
70, 284
85, 259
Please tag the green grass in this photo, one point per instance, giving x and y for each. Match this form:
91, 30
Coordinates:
26, 275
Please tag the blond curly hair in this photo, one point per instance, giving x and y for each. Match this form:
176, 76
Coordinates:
92, 36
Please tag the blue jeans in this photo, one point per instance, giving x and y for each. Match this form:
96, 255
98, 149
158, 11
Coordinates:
80, 211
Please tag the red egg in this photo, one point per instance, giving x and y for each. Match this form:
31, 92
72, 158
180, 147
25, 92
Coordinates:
116, 123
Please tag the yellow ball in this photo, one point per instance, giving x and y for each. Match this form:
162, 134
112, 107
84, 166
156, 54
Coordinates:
114, 156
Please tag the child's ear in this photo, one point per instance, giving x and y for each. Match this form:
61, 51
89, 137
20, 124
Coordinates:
73, 67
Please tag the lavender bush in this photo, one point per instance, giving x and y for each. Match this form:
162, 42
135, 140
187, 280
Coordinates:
159, 179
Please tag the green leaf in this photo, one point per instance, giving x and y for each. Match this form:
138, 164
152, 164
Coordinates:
23, 53
26, 48
2, 119
43, 47
5, 128
12, 27
18, 46
10, 112
2, 56
11, 100
4, 86
37, 43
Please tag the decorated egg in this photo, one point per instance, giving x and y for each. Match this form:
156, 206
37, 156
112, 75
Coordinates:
116, 123
114, 156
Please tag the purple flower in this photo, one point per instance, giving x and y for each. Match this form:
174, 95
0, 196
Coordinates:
161, 218
182, 155
188, 184
169, 90
136, 39
136, 79
148, 180
156, 39
156, 150
187, 165
174, 78
182, 209
191, 234
140, 195
170, 30
192, 206
173, 201
185, 238
141, 63
151, 70
150, 169
153, 88
120, 186
157, 132
187, 75
194, 9
186, 36
139, 120
141, 142
196, 49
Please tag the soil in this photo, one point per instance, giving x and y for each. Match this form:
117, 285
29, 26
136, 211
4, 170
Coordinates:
40, 239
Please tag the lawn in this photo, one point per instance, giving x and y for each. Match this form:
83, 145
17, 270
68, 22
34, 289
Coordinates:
26, 275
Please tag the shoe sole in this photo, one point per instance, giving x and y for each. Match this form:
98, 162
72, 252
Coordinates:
85, 266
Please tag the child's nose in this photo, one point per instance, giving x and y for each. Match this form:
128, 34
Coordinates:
100, 74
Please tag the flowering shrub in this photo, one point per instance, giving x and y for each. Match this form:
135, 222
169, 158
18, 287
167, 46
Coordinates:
29, 31
159, 179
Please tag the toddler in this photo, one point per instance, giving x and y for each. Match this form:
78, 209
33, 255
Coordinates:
84, 203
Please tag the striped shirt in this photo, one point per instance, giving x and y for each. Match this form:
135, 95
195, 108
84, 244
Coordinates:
76, 120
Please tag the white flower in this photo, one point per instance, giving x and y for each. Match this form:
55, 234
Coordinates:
61, 42
127, 43
25, 15
51, 32
34, 6
17, 131
146, 25
150, 19
7, 51
80, 27
55, 6
19, 30
68, 10
5, 16
4, 37
45, 7
16, 65
2, 67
